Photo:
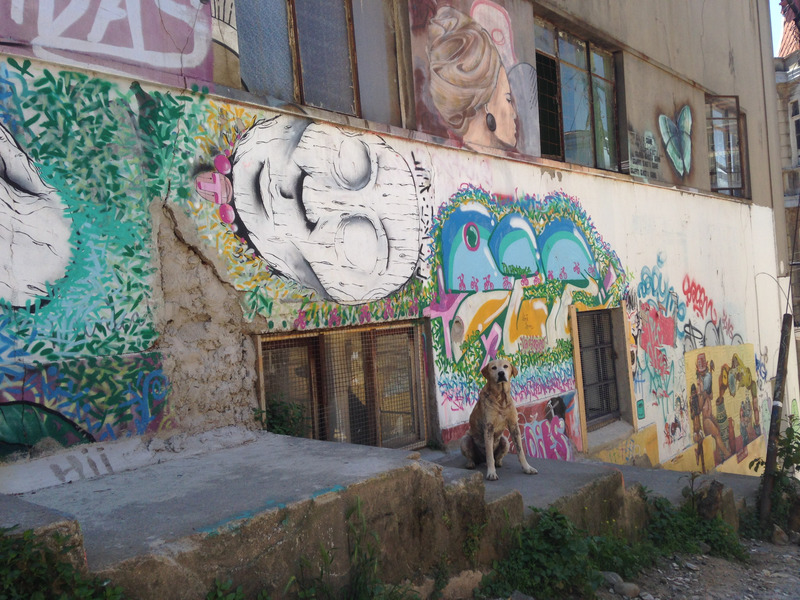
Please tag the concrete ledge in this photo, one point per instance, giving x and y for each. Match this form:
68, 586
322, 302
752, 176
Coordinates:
417, 519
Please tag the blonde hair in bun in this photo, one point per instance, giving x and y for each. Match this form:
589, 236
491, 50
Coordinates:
464, 66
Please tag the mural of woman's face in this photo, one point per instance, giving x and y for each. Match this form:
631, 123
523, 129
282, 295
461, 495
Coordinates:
501, 105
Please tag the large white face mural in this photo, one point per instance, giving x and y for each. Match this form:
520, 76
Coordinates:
335, 211
34, 228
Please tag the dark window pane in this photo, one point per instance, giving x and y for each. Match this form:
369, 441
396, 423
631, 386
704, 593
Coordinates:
578, 143
265, 61
325, 55
549, 117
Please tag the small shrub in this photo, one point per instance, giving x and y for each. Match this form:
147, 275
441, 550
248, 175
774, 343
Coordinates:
785, 494
221, 591
30, 569
284, 418
673, 529
549, 560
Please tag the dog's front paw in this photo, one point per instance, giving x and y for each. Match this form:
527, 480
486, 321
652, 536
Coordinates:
528, 470
492, 476
470, 464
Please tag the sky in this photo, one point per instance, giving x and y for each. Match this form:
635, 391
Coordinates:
777, 24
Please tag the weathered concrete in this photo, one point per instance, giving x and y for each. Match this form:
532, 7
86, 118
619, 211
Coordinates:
251, 512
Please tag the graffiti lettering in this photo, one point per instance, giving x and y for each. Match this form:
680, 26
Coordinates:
81, 466
696, 296
113, 22
546, 439
655, 285
532, 344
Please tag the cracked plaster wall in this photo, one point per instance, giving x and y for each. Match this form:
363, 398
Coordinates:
209, 352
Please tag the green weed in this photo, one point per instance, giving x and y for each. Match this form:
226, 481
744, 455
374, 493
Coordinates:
31, 570
785, 494
285, 418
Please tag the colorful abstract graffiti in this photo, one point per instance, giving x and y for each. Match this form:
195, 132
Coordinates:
76, 328
506, 275
669, 324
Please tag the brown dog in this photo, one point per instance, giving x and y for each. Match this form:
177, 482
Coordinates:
494, 412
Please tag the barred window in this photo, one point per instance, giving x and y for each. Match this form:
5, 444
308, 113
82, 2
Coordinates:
362, 385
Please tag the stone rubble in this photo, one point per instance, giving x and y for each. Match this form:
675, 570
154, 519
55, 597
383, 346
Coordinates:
772, 573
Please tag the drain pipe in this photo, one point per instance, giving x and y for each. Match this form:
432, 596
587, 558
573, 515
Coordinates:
775, 422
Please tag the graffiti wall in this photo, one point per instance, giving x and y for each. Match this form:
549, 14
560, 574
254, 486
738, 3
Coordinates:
115, 193
76, 288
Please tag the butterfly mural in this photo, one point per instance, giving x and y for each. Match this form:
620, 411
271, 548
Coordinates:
677, 137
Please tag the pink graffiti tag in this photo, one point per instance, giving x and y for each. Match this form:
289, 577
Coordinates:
546, 439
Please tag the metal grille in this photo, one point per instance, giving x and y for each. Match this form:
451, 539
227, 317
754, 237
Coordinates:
597, 365
549, 112
360, 385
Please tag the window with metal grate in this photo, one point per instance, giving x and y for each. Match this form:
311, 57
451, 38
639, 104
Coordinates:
361, 385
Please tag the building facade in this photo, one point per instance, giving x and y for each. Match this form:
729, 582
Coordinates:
344, 210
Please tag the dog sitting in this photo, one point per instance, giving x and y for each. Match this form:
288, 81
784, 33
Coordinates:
494, 412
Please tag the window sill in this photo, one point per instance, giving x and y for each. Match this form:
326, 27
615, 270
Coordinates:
342, 120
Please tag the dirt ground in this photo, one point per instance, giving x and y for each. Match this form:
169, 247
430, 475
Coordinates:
773, 572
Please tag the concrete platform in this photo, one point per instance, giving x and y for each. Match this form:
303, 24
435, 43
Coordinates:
174, 508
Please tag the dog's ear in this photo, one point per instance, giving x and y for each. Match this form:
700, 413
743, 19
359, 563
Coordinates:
485, 371
514, 370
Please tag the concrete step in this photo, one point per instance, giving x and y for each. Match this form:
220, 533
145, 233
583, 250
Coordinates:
250, 512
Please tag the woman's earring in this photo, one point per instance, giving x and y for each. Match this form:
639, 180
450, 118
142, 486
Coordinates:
491, 123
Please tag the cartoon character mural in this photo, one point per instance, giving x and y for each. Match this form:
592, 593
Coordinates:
475, 87
35, 246
724, 399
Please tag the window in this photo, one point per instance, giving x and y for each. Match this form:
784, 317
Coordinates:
362, 385
603, 368
323, 53
795, 120
597, 365
725, 127
577, 108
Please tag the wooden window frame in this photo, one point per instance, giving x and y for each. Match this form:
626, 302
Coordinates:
322, 397
589, 47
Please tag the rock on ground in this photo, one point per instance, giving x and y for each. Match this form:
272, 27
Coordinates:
773, 573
